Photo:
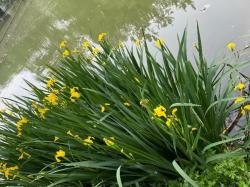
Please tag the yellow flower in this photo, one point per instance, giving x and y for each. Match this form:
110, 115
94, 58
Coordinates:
42, 112
51, 83
21, 157
231, 46
52, 99
120, 44
88, 141
20, 123
159, 42
169, 122
238, 100
75, 136
19, 132
137, 42
76, 51
23, 154
74, 94
109, 141
160, 111
174, 111
59, 154
101, 36
85, 45
56, 138
63, 44
246, 107
107, 104
102, 108
240, 86
66, 53
69, 133
127, 104
194, 129
7, 171
95, 51
243, 112
144, 102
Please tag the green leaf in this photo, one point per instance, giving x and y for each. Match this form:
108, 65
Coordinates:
183, 174
225, 155
118, 177
184, 104
93, 164
219, 143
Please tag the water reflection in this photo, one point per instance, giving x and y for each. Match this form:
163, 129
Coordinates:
119, 18
40, 25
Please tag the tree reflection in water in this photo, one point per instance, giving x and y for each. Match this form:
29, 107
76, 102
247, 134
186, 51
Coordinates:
42, 24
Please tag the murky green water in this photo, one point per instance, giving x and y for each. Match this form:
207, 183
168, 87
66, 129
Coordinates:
30, 36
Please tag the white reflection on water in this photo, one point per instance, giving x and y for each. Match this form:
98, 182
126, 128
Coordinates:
62, 24
17, 86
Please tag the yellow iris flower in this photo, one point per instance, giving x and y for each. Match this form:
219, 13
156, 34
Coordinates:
63, 44
66, 53
52, 99
231, 46
239, 99
20, 123
109, 141
51, 83
74, 94
101, 36
59, 154
85, 45
42, 112
7, 171
159, 42
240, 86
88, 141
102, 108
160, 111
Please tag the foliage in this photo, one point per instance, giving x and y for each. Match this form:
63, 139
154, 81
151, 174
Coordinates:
228, 172
113, 114
6, 2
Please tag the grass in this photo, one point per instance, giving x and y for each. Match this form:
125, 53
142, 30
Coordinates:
121, 117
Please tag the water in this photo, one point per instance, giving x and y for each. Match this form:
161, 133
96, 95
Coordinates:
30, 36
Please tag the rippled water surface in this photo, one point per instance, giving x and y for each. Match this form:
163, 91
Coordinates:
30, 34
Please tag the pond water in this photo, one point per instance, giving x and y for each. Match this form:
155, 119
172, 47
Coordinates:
29, 37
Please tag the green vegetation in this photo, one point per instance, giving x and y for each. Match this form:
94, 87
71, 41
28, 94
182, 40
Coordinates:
113, 115
228, 172
6, 3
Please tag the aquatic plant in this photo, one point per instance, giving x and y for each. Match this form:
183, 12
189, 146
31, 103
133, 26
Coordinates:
110, 115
